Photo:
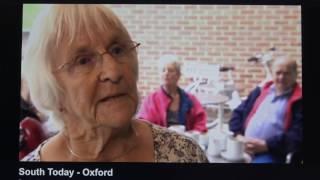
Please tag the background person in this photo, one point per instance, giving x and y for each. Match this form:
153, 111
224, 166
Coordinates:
171, 105
270, 119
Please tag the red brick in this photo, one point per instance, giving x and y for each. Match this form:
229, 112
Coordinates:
238, 38
190, 7
217, 44
190, 48
281, 12
230, 54
146, 27
254, 82
215, 33
245, 44
214, 22
238, 17
272, 17
255, 28
183, 22
244, 76
273, 38
295, 33
255, 16
190, 17
190, 28
206, 17
160, 17
271, 28
237, 49
221, 17
263, 44
247, 12
137, 11
293, 17
281, 22
223, 7
161, 7
206, 28
247, 22
288, 28
228, 22
230, 33
214, 44
174, 27
183, 53
222, 38
246, 54
277, 44
254, 38
214, 54
206, 38
230, 44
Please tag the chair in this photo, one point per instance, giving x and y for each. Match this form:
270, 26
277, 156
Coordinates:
204, 77
204, 81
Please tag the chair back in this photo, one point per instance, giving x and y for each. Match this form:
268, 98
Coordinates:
204, 78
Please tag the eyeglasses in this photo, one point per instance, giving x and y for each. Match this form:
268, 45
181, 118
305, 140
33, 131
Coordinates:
85, 63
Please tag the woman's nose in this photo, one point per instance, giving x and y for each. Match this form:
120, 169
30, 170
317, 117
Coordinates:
110, 69
280, 76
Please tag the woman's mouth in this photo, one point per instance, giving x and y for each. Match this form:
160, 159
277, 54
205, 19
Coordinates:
113, 97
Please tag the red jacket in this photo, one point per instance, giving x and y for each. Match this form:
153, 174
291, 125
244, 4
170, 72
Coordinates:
296, 95
154, 109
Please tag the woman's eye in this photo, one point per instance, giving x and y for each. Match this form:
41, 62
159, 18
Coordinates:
116, 50
83, 60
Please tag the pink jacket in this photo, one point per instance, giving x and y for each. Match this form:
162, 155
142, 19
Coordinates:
154, 109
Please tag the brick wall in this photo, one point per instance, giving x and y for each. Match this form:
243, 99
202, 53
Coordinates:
222, 34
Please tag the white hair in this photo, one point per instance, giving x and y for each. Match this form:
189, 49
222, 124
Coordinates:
283, 58
54, 24
167, 59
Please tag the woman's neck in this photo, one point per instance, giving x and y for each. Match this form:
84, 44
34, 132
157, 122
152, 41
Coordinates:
100, 143
171, 90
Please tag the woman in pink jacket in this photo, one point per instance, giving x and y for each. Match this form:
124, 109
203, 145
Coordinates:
171, 105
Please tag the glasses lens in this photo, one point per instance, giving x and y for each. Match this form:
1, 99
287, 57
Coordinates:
84, 63
122, 51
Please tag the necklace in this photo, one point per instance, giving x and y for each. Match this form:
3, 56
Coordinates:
76, 155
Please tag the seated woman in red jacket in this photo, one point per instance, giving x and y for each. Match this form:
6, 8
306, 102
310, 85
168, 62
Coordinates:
171, 105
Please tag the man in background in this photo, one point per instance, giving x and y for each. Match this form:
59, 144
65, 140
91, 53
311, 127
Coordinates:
269, 121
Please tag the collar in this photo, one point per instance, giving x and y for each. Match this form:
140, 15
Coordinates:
272, 91
287, 92
167, 94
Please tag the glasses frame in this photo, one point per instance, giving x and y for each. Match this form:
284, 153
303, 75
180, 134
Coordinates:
100, 55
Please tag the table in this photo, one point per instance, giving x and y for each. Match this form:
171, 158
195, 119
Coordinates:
211, 99
220, 159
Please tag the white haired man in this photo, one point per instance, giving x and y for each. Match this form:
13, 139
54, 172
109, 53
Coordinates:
270, 119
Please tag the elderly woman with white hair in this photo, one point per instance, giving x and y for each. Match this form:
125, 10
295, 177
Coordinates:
171, 105
82, 68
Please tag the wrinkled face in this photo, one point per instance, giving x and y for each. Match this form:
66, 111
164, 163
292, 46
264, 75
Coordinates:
283, 76
170, 75
106, 95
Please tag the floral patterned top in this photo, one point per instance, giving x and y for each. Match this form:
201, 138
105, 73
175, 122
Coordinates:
169, 146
